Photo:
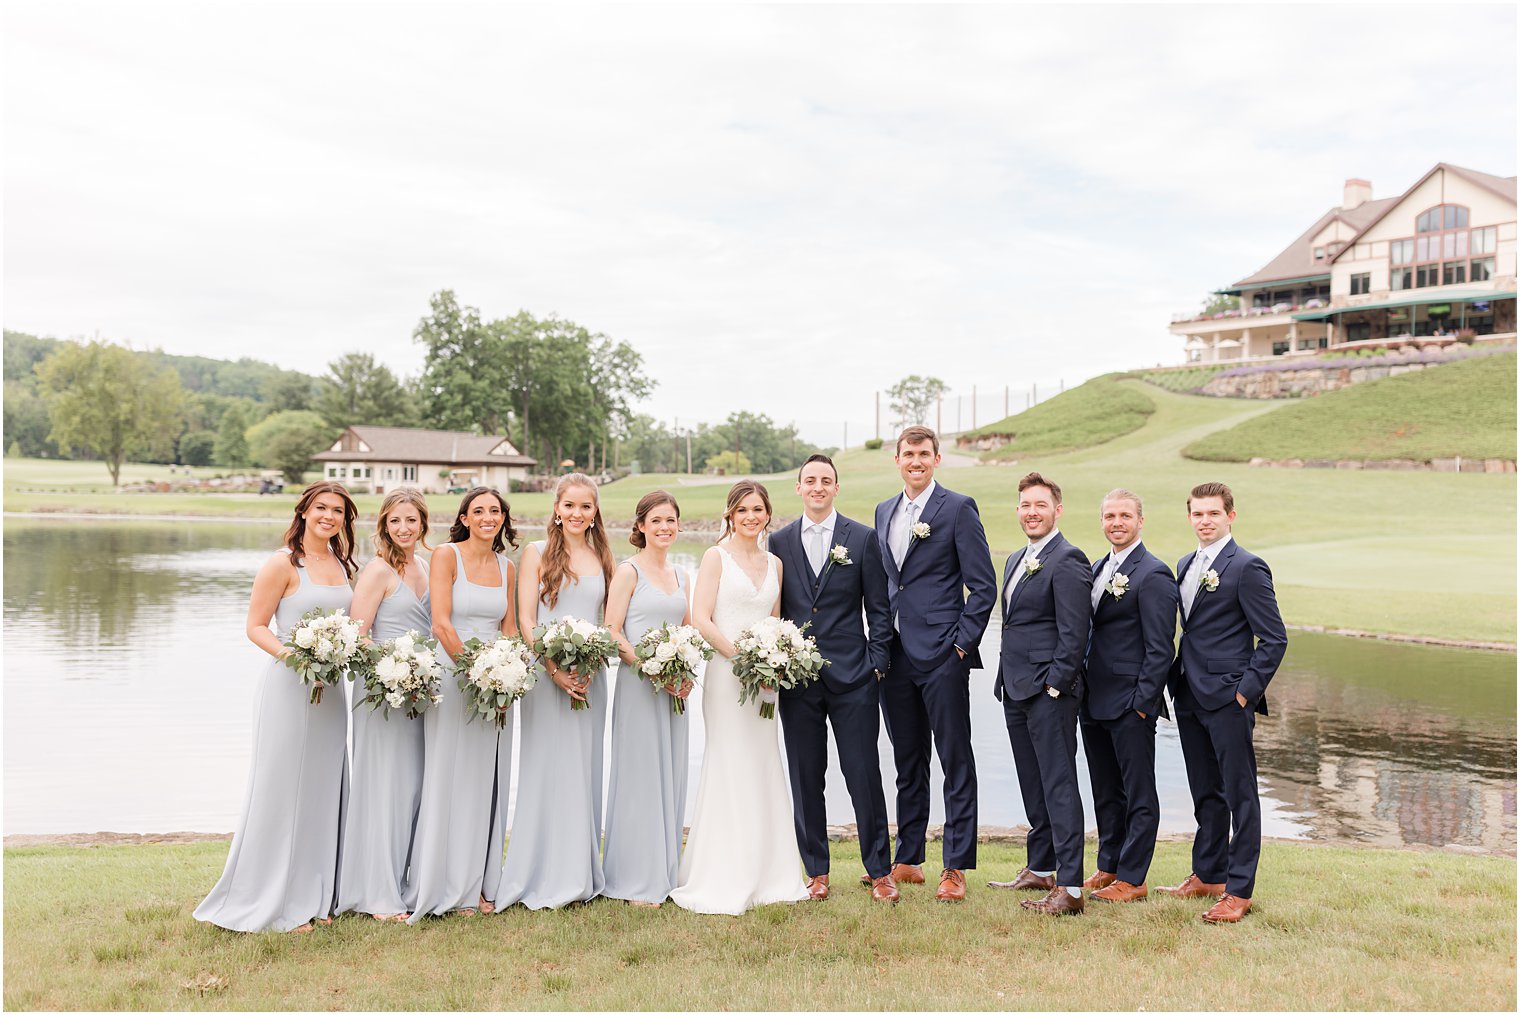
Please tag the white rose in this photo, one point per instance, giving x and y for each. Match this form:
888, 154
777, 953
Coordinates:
776, 659
651, 666
305, 637
405, 644
666, 652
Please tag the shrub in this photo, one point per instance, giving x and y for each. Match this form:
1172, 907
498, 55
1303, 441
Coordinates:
874, 444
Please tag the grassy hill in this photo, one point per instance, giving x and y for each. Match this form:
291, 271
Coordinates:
1465, 409
1088, 414
1184, 382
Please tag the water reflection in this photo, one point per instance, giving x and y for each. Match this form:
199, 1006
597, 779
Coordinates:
129, 688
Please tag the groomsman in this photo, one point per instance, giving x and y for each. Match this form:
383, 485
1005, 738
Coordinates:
933, 548
1134, 628
1046, 619
832, 572
1233, 640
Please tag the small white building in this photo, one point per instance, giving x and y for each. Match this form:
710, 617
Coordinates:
377, 459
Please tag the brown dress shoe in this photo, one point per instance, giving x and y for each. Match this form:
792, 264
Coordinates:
884, 889
1194, 888
1027, 881
1059, 902
1099, 879
1121, 891
907, 874
818, 887
1229, 909
952, 886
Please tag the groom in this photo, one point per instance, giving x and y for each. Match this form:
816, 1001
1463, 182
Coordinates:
831, 569
933, 547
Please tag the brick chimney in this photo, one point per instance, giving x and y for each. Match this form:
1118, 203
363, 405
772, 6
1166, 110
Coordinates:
1358, 193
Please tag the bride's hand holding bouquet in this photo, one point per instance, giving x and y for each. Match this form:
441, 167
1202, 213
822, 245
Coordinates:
774, 655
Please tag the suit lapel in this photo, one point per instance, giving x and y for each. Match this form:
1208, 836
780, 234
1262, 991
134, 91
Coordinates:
930, 510
1217, 565
841, 538
884, 512
1009, 570
1050, 548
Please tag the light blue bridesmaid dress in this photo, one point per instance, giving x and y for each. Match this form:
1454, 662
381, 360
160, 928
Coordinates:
646, 799
554, 855
385, 786
467, 769
282, 871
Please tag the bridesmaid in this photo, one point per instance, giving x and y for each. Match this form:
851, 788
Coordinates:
456, 856
554, 854
390, 599
646, 800
282, 872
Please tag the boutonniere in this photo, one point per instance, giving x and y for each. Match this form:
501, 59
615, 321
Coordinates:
1209, 580
920, 530
1032, 566
1117, 586
840, 555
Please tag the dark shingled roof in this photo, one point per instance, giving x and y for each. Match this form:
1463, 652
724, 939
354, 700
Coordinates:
408, 444
1297, 260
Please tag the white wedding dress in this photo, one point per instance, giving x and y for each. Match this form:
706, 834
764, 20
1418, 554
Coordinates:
742, 850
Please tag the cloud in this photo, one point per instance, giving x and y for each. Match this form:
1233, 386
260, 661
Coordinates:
762, 200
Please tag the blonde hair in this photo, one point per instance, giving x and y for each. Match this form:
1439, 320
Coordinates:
385, 547
554, 568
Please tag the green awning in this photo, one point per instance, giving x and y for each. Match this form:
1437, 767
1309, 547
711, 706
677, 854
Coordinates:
1273, 284
1408, 301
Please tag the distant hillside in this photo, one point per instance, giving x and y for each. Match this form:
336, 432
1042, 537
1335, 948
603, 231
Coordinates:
1465, 409
1089, 414
1185, 381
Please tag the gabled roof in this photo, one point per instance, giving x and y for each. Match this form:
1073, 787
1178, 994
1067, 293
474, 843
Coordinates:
1503, 186
432, 447
1297, 259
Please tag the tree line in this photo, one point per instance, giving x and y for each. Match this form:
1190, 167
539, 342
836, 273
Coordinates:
554, 388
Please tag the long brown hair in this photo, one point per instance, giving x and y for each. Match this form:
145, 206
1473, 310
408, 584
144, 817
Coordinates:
342, 544
737, 493
385, 546
554, 568
648, 503
506, 535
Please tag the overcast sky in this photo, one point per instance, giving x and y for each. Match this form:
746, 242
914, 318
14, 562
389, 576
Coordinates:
782, 208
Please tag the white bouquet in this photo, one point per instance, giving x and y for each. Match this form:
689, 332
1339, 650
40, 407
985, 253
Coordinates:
774, 655
323, 644
401, 674
494, 675
577, 645
668, 658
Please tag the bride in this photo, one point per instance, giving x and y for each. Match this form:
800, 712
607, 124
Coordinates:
741, 851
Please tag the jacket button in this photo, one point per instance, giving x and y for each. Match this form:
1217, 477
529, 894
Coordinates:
815, 609
899, 588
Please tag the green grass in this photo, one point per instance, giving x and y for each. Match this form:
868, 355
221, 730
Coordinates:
1182, 382
1339, 543
1087, 415
1465, 408
1332, 928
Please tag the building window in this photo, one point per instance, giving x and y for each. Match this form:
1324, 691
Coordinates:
1454, 274
1335, 248
1427, 275
1401, 278
1485, 241
1361, 331
1401, 252
1319, 253
409, 474
1280, 348
1442, 216
1361, 284
1482, 269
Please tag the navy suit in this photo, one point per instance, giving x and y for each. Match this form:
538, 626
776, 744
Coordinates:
925, 698
1045, 631
1233, 640
846, 694
1128, 659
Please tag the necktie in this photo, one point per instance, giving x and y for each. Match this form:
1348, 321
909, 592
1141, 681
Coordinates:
904, 534
815, 547
1190, 582
1104, 577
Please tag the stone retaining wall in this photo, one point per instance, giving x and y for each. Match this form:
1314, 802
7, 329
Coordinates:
1390, 464
1304, 383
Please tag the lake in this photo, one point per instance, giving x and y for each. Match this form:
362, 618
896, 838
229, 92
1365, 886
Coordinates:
129, 688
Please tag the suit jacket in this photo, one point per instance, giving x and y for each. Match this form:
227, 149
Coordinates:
934, 615
1234, 638
832, 601
1133, 639
1045, 629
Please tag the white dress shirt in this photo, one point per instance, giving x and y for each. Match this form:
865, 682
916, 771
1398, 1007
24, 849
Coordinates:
1111, 565
817, 538
1203, 558
1031, 552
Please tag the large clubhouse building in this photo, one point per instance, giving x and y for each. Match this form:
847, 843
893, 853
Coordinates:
1436, 260
377, 459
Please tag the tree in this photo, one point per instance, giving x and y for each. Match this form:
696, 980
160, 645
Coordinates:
464, 383
729, 463
359, 390
911, 398
1218, 303
231, 447
287, 440
290, 391
107, 400
195, 447
26, 419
